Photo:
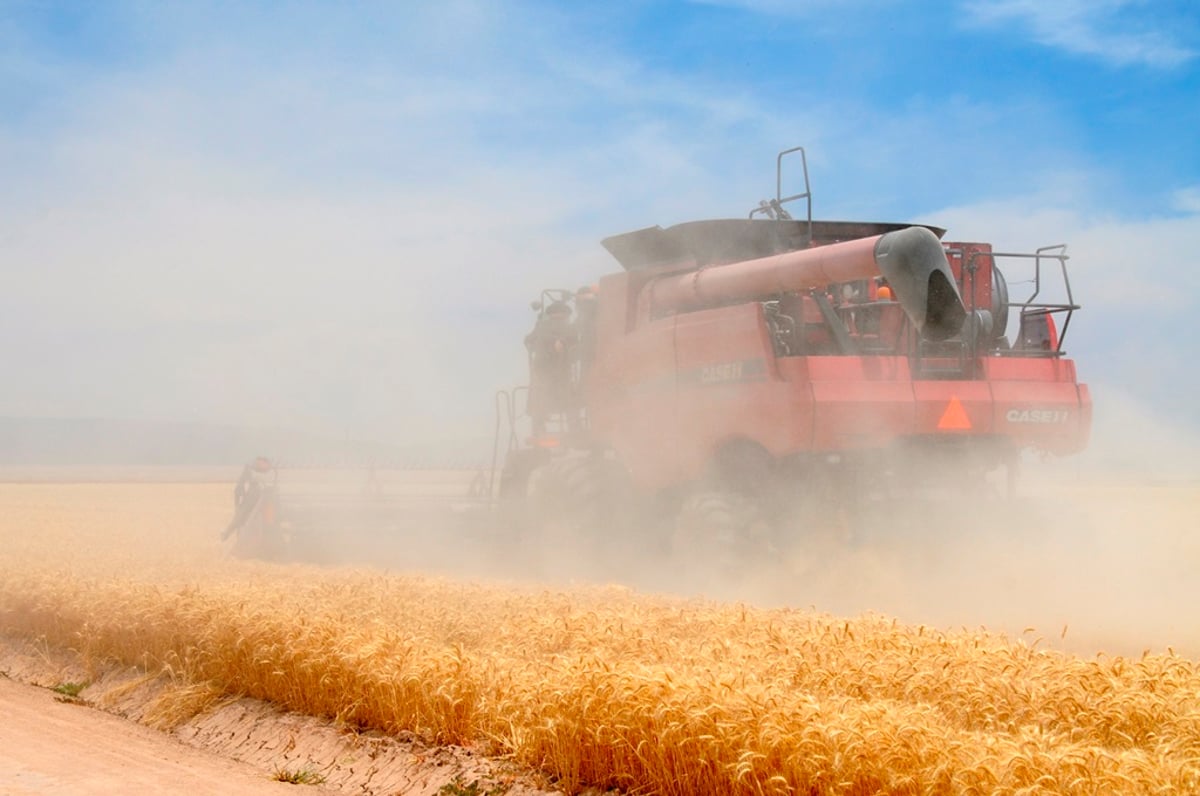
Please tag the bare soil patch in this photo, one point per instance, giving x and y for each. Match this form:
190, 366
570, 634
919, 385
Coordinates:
97, 742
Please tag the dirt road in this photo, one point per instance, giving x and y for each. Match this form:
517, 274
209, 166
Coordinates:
52, 747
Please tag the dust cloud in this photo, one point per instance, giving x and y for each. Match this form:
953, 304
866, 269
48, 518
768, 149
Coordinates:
1086, 565
1096, 553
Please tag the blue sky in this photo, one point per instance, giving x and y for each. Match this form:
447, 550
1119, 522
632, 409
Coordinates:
268, 213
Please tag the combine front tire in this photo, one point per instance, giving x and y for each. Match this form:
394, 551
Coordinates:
574, 503
719, 535
512, 499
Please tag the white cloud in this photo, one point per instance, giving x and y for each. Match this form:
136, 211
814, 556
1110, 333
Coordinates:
1120, 32
1187, 200
340, 241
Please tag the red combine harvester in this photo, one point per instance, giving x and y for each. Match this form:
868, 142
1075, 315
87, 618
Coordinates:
737, 370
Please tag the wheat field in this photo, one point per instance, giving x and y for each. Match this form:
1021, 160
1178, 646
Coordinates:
593, 685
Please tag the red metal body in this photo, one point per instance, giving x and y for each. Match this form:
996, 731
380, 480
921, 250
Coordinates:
691, 360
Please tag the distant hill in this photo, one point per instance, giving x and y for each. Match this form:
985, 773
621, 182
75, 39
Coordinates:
112, 442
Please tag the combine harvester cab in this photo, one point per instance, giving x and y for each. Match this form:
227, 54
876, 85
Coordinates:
738, 365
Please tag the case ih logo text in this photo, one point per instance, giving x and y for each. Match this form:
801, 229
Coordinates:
1037, 415
726, 372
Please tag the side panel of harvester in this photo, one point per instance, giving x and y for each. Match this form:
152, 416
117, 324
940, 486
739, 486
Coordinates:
730, 389
631, 385
671, 391
1038, 403
859, 402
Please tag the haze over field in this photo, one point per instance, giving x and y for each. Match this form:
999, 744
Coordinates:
312, 231
605, 686
331, 219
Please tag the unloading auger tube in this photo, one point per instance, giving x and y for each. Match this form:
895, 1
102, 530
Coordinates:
912, 260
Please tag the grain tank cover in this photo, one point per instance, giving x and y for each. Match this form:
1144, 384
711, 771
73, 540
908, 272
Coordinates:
730, 240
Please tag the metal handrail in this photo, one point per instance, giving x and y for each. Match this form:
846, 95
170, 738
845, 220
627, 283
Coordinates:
773, 208
1030, 307
506, 417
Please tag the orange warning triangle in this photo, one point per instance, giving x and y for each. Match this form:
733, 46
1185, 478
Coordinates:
955, 417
